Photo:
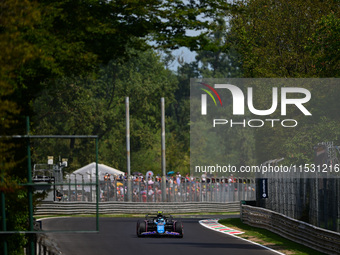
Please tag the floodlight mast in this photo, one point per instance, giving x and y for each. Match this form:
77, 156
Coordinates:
128, 165
163, 151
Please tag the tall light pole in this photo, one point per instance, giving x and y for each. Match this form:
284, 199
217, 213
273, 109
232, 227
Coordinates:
128, 165
163, 151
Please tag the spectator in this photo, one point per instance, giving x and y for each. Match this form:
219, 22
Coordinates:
178, 178
59, 195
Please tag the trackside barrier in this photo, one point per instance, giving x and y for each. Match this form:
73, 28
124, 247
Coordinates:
314, 237
73, 208
45, 246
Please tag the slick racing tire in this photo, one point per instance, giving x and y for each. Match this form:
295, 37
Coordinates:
141, 227
179, 228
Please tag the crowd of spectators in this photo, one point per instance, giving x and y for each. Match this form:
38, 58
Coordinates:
148, 188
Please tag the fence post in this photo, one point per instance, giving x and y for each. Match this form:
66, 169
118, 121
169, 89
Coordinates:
30, 190
90, 188
75, 187
3, 216
69, 188
82, 188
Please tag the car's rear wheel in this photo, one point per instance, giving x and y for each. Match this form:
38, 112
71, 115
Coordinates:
179, 228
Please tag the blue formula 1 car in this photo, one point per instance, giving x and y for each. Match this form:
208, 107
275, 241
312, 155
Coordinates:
159, 225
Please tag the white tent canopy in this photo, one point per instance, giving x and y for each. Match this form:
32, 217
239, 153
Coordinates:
88, 172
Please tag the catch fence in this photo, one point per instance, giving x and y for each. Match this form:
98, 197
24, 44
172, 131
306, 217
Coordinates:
194, 190
313, 200
311, 194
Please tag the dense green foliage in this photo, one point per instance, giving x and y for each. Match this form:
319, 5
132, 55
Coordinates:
275, 38
97, 106
15, 17
295, 39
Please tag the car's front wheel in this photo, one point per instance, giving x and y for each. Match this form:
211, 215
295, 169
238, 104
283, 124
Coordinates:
141, 227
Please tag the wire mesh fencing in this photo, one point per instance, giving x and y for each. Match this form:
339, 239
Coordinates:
185, 190
312, 200
311, 194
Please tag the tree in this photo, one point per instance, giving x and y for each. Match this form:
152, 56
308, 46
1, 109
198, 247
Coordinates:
271, 36
96, 106
70, 38
290, 40
16, 50
324, 46
219, 60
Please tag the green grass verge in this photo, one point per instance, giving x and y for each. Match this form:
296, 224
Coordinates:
269, 239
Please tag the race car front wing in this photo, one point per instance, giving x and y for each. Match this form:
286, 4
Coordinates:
170, 233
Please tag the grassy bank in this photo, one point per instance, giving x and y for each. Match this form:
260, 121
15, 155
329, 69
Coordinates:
269, 239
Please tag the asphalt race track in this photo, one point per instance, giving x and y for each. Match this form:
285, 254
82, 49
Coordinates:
118, 236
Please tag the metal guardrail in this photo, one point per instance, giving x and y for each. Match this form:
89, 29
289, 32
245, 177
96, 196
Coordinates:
43, 244
314, 237
46, 246
76, 208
